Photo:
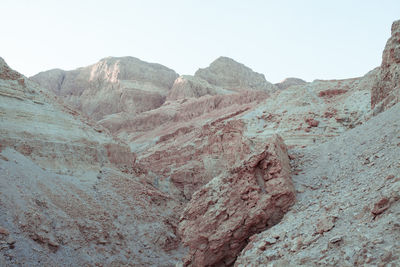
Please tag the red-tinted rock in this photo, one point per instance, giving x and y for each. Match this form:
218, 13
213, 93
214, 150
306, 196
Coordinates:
311, 122
380, 206
331, 93
120, 156
192, 156
6, 73
4, 231
249, 198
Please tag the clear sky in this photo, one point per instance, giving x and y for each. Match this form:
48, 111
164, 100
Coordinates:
306, 39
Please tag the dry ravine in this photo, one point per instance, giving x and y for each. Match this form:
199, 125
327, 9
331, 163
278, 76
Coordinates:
127, 163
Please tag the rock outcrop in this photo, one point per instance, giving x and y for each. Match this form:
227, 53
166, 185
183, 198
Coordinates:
229, 74
223, 214
386, 89
289, 82
111, 86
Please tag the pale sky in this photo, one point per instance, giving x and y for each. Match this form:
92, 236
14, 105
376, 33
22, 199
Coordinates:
305, 39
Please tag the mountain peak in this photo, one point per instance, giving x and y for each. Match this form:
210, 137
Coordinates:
232, 75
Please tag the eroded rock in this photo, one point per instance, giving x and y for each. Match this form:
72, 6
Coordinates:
386, 89
249, 198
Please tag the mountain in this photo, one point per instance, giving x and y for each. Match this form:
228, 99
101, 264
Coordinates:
232, 75
126, 163
69, 191
112, 85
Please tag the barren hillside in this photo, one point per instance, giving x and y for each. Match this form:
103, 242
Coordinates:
126, 163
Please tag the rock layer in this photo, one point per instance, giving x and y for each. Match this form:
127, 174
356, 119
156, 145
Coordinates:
36, 125
69, 192
223, 214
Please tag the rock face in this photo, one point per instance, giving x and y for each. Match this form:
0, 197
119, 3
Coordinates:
386, 89
289, 82
111, 86
231, 75
248, 199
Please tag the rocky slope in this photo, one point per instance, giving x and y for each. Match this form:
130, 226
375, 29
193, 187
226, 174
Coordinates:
196, 177
68, 191
313, 112
37, 125
348, 203
125, 92
200, 138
